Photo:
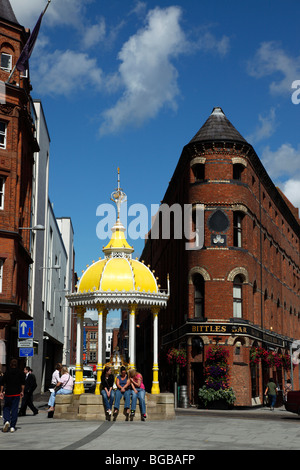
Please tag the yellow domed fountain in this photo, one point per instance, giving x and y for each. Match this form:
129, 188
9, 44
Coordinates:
116, 282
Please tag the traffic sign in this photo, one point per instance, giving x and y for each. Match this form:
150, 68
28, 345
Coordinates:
25, 328
25, 343
25, 352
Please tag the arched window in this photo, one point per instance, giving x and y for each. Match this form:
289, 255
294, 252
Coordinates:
198, 282
237, 171
238, 296
199, 171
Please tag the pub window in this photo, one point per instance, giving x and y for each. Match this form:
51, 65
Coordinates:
198, 282
237, 229
237, 297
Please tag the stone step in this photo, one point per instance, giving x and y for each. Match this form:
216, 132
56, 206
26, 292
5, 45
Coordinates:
90, 407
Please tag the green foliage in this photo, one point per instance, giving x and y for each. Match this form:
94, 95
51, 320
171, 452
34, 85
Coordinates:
208, 395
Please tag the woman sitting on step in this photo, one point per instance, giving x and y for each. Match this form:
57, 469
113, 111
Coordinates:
123, 390
137, 391
63, 387
107, 392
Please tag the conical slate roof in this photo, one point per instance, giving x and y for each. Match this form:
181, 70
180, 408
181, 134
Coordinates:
218, 127
6, 11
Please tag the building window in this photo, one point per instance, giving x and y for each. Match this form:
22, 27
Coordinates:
1, 274
3, 127
199, 171
6, 62
237, 229
237, 171
2, 186
198, 296
237, 297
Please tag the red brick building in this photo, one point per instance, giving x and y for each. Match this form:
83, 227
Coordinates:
241, 289
17, 145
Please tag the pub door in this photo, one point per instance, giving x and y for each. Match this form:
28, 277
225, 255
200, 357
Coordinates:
197, 381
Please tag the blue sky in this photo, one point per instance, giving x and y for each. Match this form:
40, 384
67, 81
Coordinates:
127, 83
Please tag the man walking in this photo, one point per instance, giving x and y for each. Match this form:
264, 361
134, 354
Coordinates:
11, 389
30, 386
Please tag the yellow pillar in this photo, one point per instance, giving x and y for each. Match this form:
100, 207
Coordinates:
155, 390
132, 336
78, 387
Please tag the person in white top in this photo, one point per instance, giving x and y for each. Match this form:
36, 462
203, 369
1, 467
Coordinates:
63, 387
55, 376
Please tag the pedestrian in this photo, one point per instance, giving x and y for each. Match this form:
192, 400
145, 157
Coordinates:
107, 392
123, 390
12, 389
137, 392
271, 391
287, 388
30, 386
55, 376
63, 387
1, 375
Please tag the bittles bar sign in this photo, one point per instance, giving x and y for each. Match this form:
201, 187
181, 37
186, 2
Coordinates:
230, 328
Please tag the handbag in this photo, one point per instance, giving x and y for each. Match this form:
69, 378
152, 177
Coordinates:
58, 387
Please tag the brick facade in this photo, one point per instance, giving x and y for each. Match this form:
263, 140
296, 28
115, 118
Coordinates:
16, 167
242, 287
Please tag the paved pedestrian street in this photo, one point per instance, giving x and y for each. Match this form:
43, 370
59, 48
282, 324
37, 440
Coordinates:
191, 430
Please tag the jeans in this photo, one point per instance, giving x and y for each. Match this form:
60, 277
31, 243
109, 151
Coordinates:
126, 396
141, 396
62, 391
10, 410
108, 402
272, 400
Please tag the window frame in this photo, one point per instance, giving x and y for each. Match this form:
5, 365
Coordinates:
238, 229
237, 301
6, 69
4, 134
199, 300
2, 191
237, 171
1, 274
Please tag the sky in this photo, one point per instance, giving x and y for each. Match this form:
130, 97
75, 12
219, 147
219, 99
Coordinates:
128, 83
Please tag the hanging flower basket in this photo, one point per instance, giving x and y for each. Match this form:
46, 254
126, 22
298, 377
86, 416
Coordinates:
177, 357
270, 358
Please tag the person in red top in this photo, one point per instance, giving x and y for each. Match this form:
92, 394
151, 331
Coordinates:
137, 391
11, 389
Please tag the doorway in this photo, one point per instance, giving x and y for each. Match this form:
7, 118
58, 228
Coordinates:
197, 381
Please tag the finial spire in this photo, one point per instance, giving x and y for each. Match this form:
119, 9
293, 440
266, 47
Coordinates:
118, 245
118, 196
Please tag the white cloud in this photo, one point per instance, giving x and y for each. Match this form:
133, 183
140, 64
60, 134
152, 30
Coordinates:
60, 12
291, 189
266, 127
148, 76
209, 43
282, 163
94, 34
61, 72
271, 59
